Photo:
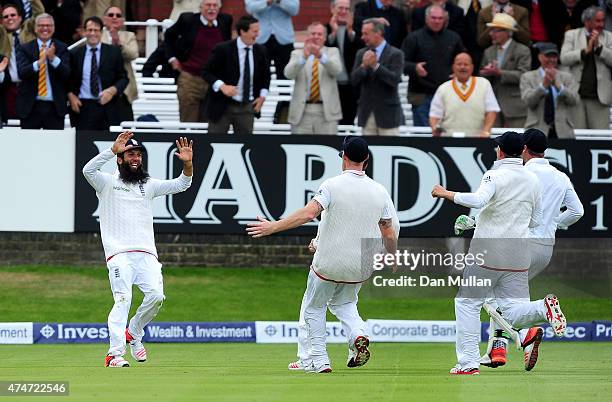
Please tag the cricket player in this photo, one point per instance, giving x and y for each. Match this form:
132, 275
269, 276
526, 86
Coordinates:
356, 213
557, 192
510, 199
126, 226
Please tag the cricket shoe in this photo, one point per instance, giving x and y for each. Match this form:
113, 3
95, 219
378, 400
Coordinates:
457, 370
325, 368
115, 361
297, 365
531, 346
137, 349
554, 315
359, 354
497, 357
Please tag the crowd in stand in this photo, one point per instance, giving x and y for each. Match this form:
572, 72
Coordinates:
472, 64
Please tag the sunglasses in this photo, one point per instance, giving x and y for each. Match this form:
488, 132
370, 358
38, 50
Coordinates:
118, 15
9, 16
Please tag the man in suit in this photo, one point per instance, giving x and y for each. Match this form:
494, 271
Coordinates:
315, 102
396, 29
550, 95
189, 43
112, 34
587, 52
98, 78
503, 63
377, 72
44, 67
520, 15
14, 30
342, 35
238, 72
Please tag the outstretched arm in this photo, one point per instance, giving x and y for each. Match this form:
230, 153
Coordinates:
303, 215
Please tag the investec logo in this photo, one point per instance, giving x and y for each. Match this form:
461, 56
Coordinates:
74, 332
230, 160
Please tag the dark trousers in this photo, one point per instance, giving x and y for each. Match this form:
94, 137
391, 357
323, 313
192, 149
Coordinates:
94, 116
280, 54
348, 102
43, 115
125, 108
239, 115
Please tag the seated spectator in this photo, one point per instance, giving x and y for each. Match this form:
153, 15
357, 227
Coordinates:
156, 59
44, 68
113, 34
277, 33
67, 16
238, 72
428, 56
95, 86
587, 52
463, 104
395, 32
455, 22
550, 95
13, 31
188, 45
96, 8
342, 36
377, 73
503, 63
519, 13
315, 103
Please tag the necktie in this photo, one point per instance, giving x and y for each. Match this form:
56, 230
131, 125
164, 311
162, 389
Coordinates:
42, 74
246, 82
16, 41
314, 82
549, 107
93, 76
27, 9
210, 24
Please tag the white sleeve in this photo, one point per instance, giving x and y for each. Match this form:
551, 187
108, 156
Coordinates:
481, 197
92, 173
323, 195
537, 213
437, 106
389, 209
164, 187
574, 210
491, 104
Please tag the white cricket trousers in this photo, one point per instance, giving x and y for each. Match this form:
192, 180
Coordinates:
124, 270
511, 291
341, 299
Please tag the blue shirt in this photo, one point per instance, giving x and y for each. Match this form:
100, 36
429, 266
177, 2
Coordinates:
379, 49
274, 19
56, 62
85, 91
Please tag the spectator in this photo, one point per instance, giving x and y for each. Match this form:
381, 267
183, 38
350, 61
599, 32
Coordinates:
519, 13
188, 49
472, 8
315, 103
3, 65
428, 57
95, 85
13, 31
342, 35
239, 73
184, 6
588, 54
464, 103
547, 21
67, 16
550, 95
395, 31
377, 73
44, 67
158, 58
455, 22
503, 63
276, 34
577, 7
96, 8
26, 8
112, 34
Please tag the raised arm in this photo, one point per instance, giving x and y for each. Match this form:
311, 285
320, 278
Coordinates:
91, 170
183, 182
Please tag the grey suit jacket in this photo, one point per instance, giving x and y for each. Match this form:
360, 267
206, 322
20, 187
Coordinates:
575, 40
379, 93
534, 96
506, 87
301, 72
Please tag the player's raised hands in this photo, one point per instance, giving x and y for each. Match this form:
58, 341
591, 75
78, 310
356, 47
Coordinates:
261, 228
119, 145
185, 149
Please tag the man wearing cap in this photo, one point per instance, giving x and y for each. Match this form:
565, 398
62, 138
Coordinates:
588, 54
337, 272
550, 94
503, 63
126, 227
464, 104
510, 201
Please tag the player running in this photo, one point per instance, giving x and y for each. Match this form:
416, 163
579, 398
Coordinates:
126, 226
353, 208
